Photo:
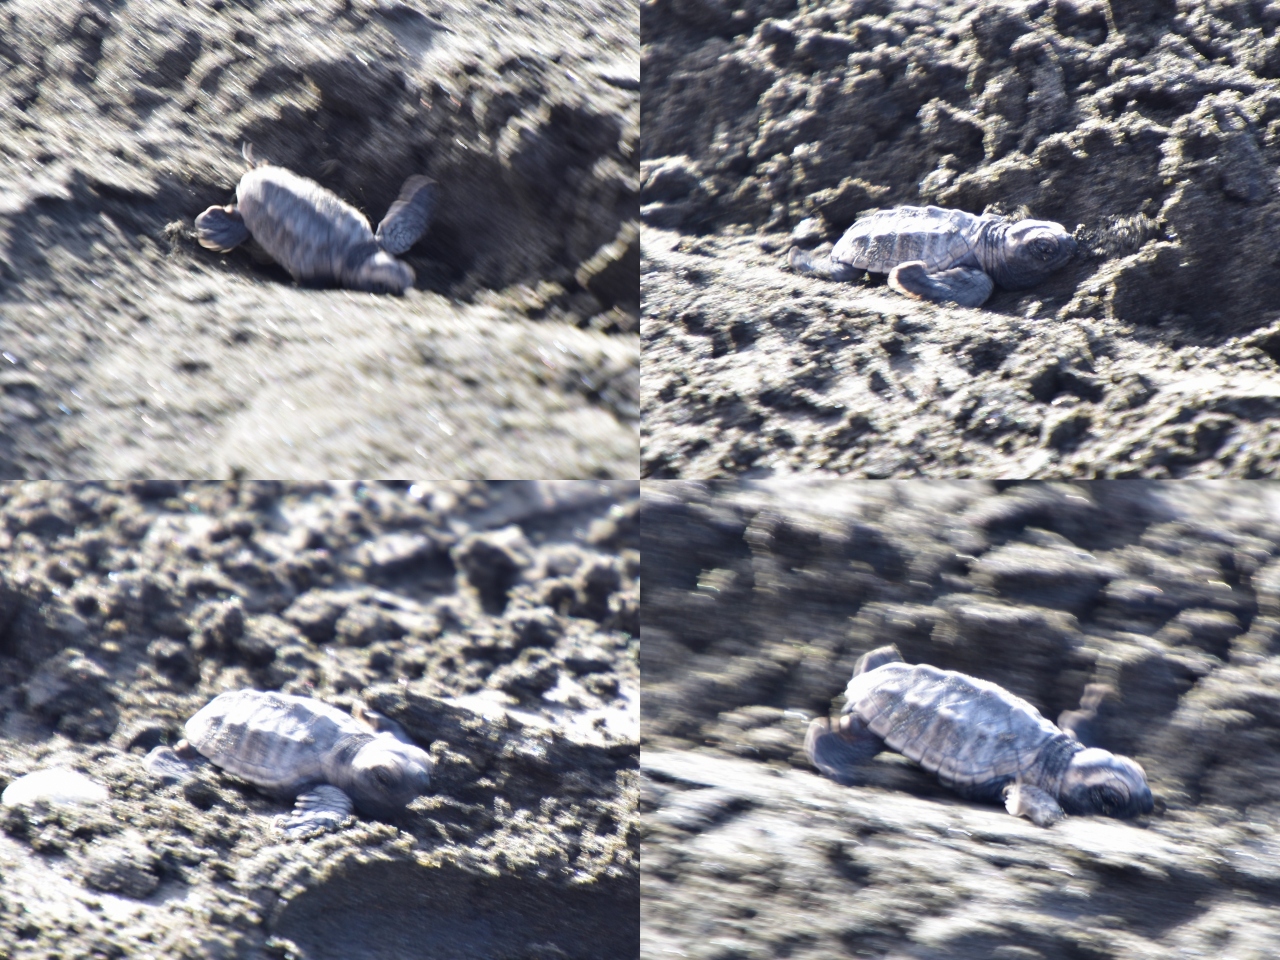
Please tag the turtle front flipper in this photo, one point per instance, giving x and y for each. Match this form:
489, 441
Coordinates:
221, 228
1035, 804
1083, 723
407, 219
966, 286
839, 752
323, 807
826, 268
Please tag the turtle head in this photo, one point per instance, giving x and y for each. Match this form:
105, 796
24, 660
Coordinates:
1030, 250
386, 774
1100, 782
373, 269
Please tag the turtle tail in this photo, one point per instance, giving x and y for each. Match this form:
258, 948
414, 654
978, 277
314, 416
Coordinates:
246, 151
877, 658
838, 752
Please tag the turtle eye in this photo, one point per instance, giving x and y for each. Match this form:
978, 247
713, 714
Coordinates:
1107, 800
1043, 247
383, 778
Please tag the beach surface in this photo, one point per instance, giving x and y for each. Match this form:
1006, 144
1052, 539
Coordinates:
759, 598
497, 624
127, 350
1150, 130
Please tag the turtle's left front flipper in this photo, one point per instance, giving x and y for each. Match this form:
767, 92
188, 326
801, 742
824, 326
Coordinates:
967, 286
323, 807
407, 219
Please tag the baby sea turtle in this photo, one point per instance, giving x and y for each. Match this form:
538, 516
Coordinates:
945, 255
977, 738
297, 747
315, 235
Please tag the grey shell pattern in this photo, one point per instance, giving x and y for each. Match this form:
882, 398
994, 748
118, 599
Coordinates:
296, 747
938, 237
317, 236
974, 735
979, 739
305, 228
276, 741
947, 256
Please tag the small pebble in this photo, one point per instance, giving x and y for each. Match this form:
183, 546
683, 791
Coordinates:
57, 786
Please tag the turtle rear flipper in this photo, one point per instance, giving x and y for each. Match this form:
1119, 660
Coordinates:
966, 286
169, 766
407, 219
877, 658
840, 752
377, 271
323, 807
828, 269
221, 228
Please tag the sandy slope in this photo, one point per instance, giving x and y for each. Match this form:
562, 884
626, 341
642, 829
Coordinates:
760, 596
130, 351
1154, 136
495, 623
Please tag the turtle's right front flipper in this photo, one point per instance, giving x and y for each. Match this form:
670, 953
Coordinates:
221, 228
407, 219
828, 269
839, 752
380, 723
1024, 800
323, 807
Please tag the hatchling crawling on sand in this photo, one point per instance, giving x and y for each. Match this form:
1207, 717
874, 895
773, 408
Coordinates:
977, 738
315, 235
297, 747
946, 255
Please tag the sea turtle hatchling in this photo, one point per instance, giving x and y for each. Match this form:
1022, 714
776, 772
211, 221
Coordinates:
946, 255
296, 747
315, 235
977, 738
